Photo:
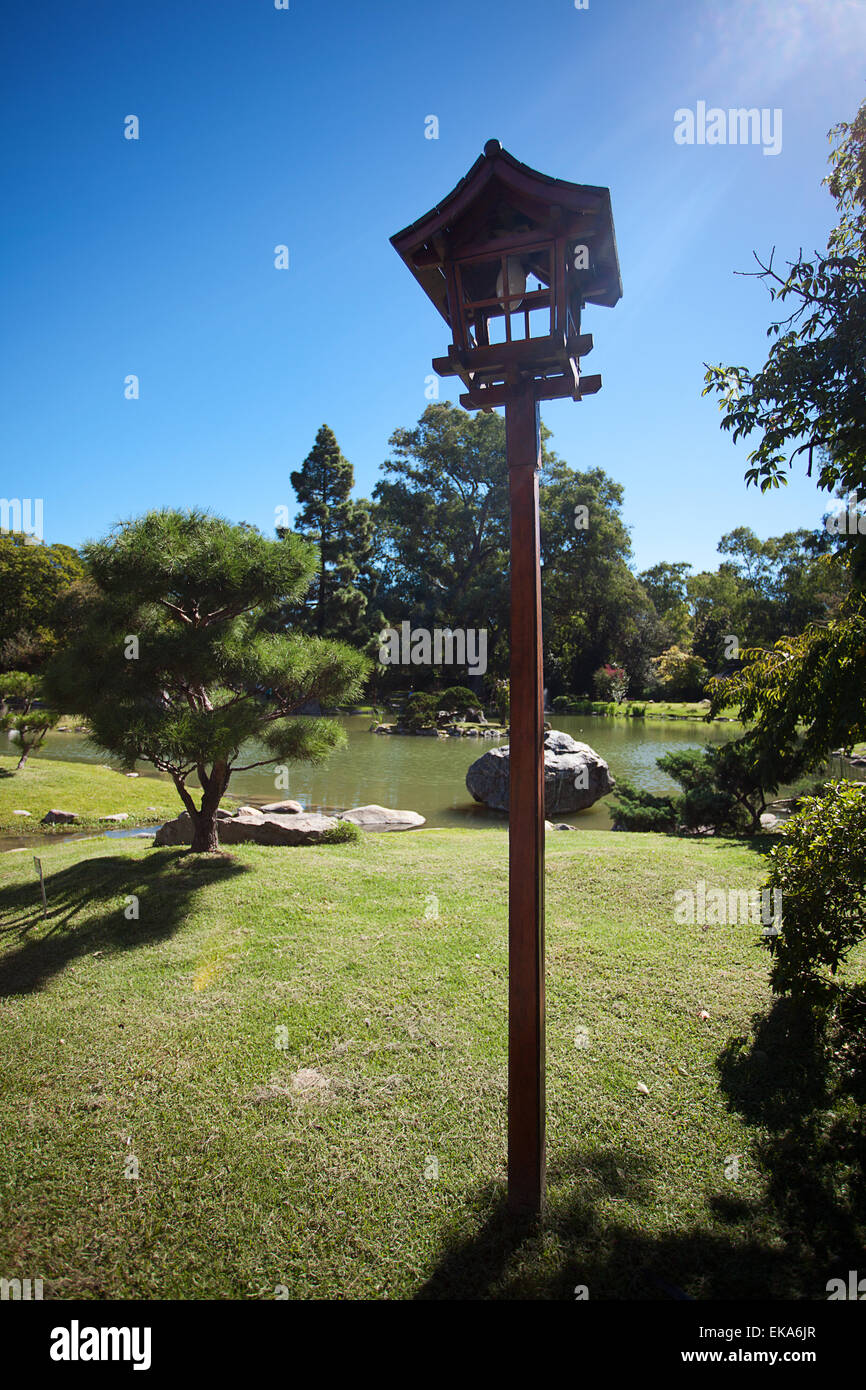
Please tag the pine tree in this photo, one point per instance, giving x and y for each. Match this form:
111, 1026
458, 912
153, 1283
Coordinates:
170, 656
342, 532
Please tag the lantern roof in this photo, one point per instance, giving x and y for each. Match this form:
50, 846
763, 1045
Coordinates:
499, 204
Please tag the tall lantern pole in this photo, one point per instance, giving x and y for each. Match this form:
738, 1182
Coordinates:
510, 258
526, 816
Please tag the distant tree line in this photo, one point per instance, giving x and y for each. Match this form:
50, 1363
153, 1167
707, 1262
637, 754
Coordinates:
431, 546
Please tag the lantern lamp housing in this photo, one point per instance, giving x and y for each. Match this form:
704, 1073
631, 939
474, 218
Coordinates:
510, 258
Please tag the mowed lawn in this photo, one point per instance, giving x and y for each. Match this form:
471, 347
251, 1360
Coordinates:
90, 789
302, 1054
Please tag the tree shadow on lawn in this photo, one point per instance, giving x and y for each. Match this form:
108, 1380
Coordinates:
510, 1258
801, 1078
164, 883
759, 845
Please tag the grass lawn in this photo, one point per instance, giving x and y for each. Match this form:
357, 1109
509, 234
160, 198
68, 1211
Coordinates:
286, 1045
88, 788
682, 709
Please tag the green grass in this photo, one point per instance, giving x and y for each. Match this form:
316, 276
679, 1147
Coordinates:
681, 709
647, 709
157, 1039
87, 788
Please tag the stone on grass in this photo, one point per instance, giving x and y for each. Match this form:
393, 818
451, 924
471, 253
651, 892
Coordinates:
253, 830
55, 817
121, 815
21, 813
380, 818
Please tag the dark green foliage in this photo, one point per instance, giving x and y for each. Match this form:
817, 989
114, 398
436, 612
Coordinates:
810, 397
442, 538
806, 692
724, 789
342, 532
641, 810
457, 699
33, 579
820, 870
721, 789
442, 523
419, 712
593, 604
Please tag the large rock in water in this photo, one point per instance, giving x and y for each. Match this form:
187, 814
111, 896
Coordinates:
575, 776
254, 829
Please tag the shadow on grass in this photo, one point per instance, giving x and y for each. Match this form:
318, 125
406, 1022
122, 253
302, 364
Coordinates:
758, 844
800, 1078
580, 1246
86, 903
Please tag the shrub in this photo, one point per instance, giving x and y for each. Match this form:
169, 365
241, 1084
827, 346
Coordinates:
720, 791
820, 869
721, 788
419, 712
680, 675
456, 699
610, 683
345, 832
561, 703
641, 810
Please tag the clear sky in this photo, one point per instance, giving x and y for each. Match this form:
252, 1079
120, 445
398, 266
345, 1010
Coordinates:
306, 127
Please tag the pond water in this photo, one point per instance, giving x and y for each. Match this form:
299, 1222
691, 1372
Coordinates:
428, 775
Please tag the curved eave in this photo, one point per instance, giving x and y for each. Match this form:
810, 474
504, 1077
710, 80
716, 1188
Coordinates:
523, 182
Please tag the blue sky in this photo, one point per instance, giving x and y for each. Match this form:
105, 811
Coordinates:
306, 127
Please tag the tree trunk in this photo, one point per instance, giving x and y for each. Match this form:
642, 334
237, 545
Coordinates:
205, 839
22, 760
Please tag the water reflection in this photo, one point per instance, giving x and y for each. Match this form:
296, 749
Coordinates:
428, 775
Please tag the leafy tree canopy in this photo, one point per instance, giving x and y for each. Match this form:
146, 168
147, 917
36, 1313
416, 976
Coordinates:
33, 577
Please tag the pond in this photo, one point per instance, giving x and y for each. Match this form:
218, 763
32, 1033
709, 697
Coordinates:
428, 775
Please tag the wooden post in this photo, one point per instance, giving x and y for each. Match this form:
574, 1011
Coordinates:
37, 864
526, 1119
